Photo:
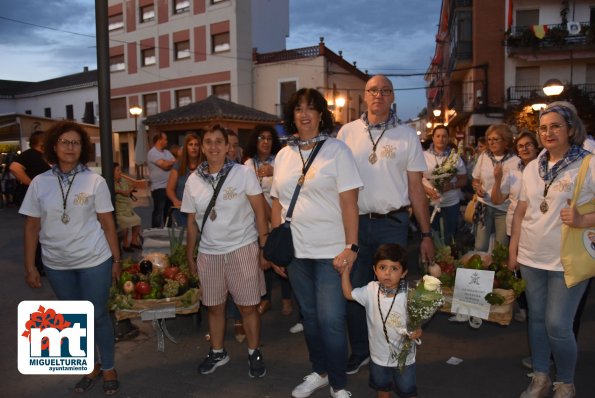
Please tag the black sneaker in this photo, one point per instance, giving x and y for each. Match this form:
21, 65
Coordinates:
355, 363
256, 363
212, 362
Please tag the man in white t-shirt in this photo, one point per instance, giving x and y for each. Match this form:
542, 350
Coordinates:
160, 162
390, 161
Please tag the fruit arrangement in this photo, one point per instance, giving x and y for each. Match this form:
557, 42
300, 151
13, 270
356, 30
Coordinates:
147, 280
445, 266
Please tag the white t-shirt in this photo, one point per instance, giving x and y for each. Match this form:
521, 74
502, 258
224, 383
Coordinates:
452, 197
317, 223
235, 225
484, 171
265, 182
379, 350
81, 243
398, 151
539, 244
511, 186
157, 175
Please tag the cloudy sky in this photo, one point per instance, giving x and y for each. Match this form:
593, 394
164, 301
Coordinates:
39, 41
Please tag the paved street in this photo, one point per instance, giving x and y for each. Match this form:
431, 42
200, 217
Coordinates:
490, 368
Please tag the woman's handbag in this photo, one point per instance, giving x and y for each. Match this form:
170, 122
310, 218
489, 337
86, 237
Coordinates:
470, 210
278, 248
577, 251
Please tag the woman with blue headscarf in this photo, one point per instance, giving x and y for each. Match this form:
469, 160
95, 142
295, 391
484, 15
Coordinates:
547, 187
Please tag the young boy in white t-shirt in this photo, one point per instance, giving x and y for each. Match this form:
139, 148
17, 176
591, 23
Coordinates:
385, 301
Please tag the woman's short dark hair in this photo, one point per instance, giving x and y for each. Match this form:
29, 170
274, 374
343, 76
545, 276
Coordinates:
52, 135
217, 127
392, 252
314, 98
252, 142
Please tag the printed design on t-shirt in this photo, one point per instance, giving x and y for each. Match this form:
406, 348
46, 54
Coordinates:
81, 199
387, 151
395, 321
229, 193
562, 185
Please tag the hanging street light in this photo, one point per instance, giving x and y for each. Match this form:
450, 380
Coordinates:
553, 87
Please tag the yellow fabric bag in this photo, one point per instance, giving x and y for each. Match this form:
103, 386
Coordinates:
470, 210
577, 252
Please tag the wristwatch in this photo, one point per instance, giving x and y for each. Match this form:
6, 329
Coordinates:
353, 247
426, 235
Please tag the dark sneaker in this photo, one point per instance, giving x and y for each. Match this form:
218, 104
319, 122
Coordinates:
212, 362
355, 363
256, 363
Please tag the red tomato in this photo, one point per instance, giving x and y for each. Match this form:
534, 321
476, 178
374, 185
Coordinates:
170, 272
142, 288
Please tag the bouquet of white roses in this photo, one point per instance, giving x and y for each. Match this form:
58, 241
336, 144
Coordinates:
444, 172
422, 302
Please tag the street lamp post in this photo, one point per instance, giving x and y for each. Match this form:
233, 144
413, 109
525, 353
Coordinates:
136, 111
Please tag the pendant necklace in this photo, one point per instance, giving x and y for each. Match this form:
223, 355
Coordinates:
382, 318
373, 158
213, 213
65, 217
544, 207
304, 163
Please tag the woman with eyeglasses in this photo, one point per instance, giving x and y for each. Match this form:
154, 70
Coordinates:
69, 209
261, 148
498, 157
547, 187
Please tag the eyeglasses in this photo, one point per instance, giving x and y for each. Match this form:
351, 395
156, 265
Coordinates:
554, 128
67, 143
383, 91
528, 145
262, 138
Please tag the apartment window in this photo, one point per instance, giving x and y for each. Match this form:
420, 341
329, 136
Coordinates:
89, 116
182, 49
527, 17
147, 13
69, 112
115, 22
181, 6
150, 104
118, 108
183, 97
148, 56
116, 63
592, 19
590, 77
47, 112
222, 91
286, 89
28, 112
527, 76
220, 42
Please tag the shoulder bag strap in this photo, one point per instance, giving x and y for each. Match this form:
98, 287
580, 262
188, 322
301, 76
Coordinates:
299, 185
582, 173
213, 199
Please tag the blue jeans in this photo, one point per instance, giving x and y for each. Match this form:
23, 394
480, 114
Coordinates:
495, 221
90, 284
317, 287
450, 221
371, 234
383, 378
552, 307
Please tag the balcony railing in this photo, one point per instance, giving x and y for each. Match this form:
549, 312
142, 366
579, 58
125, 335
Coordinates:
522, 93
554, 35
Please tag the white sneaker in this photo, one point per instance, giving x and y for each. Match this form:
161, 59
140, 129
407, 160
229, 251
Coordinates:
311, 383
340, 393
297, 328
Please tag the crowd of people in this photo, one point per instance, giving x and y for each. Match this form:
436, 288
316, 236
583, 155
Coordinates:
360, 191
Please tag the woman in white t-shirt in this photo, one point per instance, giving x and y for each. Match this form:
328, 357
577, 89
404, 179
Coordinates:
229, 259
69, 209
547, 187
324, 226
490, 217
444, 193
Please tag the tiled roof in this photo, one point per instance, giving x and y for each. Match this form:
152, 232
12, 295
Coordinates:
16, 89
211, 108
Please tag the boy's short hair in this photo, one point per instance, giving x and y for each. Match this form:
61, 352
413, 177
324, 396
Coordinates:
393, 252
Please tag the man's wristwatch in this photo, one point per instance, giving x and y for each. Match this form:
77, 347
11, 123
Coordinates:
353, 247
426, 235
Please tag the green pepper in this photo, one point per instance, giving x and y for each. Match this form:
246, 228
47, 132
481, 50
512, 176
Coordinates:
494, 299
